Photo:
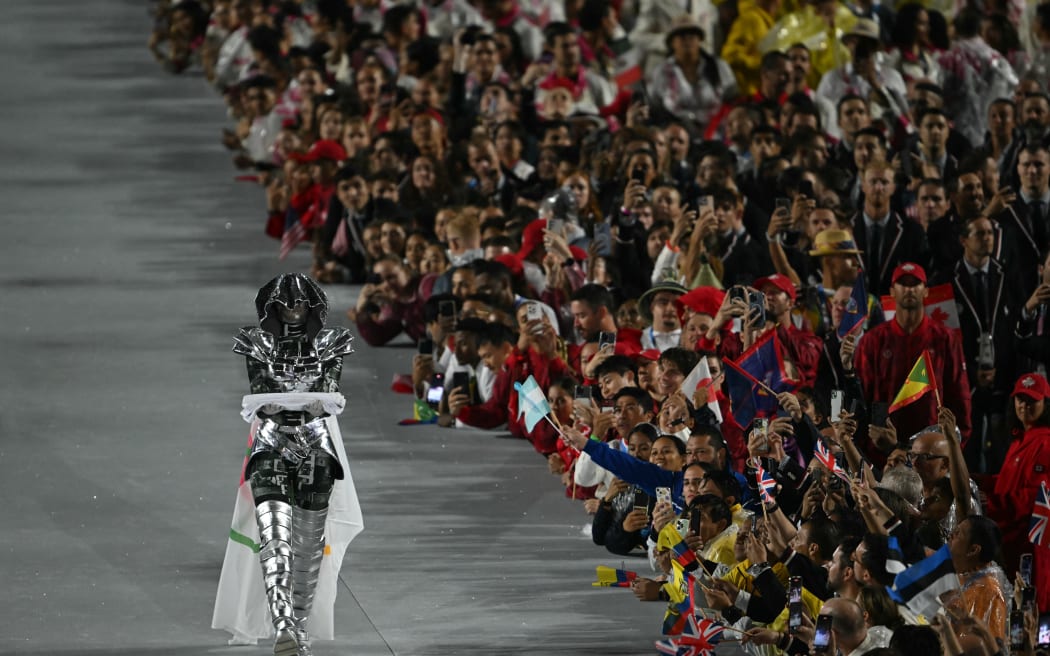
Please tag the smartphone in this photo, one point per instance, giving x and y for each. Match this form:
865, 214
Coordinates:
663, 494
682, 526
638, 173
606, 339
756, 302
584, 395
447, 308
1043, 641
1026, 569
533, 312
784, 204
461, 379
556, 226
880, 412
836, 405
641, 500
738, 291
822, 635
754, 523
426, 346
1027, 597
434, 395
1016, 630
703, 201
806, 189
790, 473
374, 279
761, 426
794, 603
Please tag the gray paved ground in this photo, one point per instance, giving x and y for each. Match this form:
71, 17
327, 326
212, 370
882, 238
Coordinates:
130, 257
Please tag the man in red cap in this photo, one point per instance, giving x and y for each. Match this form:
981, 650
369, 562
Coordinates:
886, 354
801, 346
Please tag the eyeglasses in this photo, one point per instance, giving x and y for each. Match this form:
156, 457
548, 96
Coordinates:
924, 457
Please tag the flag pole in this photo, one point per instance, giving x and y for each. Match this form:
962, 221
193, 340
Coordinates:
931, 377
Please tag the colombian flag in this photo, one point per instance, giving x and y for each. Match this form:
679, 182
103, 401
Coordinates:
919, 382
614, 578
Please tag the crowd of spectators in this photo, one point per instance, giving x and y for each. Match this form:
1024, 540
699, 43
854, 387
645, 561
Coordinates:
604, 194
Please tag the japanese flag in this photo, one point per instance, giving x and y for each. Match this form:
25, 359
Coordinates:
699, 377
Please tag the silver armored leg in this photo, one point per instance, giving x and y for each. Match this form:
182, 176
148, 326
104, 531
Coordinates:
308, 551
275, 555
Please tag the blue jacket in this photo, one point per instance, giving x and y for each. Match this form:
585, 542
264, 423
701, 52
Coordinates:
645, 475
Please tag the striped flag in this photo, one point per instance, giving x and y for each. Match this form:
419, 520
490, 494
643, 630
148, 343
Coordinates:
609, 577
293, 235
1037, 533
920, 586
767, 487
531, 402
684, 556
894, 556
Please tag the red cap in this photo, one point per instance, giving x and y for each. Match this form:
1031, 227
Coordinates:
909, 269
323, 149
703, 300
532, 237
512, 262
1033, 386
781, 282
651, 355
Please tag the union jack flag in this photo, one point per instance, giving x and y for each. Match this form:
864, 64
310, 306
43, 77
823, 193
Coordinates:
766, 485
827, 458
1037, 533
698, 639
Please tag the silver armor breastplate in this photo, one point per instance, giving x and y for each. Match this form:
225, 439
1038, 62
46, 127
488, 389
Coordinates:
295, 367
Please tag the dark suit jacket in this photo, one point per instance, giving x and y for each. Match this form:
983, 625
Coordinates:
1023, 247
902, 241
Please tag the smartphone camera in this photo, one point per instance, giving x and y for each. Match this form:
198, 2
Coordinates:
606, 339
822, 635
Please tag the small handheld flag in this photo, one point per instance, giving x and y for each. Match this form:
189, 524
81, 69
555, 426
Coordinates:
531, 402
766, 485
699, 377
920, 586
1037, 533
684, 556
826, 458
609, 577
919, 382
699, 638
856, 312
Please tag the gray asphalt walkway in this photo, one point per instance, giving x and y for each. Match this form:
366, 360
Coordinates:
130, 258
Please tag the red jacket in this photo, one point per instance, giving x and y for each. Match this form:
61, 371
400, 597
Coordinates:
804, 349
885, 356
1010, 504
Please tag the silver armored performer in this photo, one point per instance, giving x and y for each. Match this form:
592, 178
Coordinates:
294, 365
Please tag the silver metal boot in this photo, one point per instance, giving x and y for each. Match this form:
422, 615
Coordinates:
275, 555
308, 552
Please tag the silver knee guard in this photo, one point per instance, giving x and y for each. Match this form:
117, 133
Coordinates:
275, 555
308, 551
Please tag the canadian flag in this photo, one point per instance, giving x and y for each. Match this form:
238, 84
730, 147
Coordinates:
940, 306
700, 377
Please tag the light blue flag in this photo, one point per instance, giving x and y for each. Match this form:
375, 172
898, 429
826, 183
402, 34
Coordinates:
532, 402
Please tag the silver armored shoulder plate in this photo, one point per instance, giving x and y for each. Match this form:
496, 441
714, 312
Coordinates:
255, 343
333, 343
